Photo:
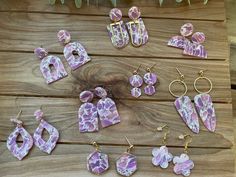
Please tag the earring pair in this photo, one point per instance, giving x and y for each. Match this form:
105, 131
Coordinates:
98, 162
21, 151
136, 81
203, 103
105, 110
136, 29
52, 67
162, 157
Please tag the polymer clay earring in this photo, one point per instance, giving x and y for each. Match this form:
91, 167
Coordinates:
52, 131
117, 30
126, 164
87, 114
136, 28
150, 79
97, 161
204, 105
183, 164
13, 147
51, 66
161, 156
184, 105
74, 52
136, 81
106, 107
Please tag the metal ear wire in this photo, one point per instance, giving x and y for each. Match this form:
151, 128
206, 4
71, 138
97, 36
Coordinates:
188, 139
95, 145
131, 146
166, 132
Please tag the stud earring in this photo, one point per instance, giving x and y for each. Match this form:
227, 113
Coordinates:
126, 165
51, 66
74, 52
184, 105
183, 164
106, 107
150, 79
161, 156
97, 162
136, 28
23, 150
87, 114
136, 81
116, 30
204, 105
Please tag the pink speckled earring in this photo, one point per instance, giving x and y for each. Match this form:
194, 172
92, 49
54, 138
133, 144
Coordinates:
23, 150
74, 52
150, 79
53, 134
136, 81
136, 28
117, 30
51, 66
87, 114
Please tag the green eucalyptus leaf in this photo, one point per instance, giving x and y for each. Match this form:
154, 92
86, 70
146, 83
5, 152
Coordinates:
113, 2
178, 1
52, 2
63, 1
189, 3
161, 2
78, 3
205, 2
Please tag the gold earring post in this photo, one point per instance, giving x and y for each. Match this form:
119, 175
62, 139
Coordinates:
131, 146
95, 144
166, 127
188, 139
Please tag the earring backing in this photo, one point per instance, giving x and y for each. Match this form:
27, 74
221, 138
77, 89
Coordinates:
201, 76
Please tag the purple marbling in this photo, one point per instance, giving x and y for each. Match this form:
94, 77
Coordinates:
134, 13
186, 29
149, 90
150, 78
136, 92
63, 36
86, 96
115, 14
136, 80
183, 165
178, 42
198, 37
161, 157
194, 49
100, 92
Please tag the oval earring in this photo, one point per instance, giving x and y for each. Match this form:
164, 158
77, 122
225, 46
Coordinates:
184, 105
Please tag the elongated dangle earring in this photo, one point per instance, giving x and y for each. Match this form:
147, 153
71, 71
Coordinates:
74, 52
204, 105
150, 79
161, 156
87, 114
97, 162
53, 134
136, 81
23, 150
184, 105
183, 164
126, 164
117, 30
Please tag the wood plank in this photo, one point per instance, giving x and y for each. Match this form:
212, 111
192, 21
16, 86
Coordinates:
25, 31
21, 76
137, 116
70, 160
231, 20
233, 65
234, 119
150, 8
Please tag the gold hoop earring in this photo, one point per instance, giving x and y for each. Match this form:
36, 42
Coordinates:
201, 76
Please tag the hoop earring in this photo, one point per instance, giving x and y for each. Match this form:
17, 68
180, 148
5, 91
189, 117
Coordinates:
204, 105
184, 105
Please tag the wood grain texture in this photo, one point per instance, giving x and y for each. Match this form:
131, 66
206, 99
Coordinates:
137, 116
150, 8
26, 31
21, 76
231, 21
208, 162
233, 65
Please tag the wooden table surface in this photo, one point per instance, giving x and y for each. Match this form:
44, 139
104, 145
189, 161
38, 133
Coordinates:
26, 24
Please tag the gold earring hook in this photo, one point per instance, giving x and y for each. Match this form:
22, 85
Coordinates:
131, 146
166, 132
188, 139
181, 75
136, 71
95, 144
16, 119
149, 68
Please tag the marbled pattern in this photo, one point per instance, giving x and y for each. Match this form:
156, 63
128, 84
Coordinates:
40, 52
161, 157
115, 14
23, 150
149, 90
187, 112
134, 13
126, 164
136, 80
198, 37
150, 78
63, 36
196, 50
178, 42
97, 162
86, 96
136, 92
100, 92
186, 30
183, 165
206, 110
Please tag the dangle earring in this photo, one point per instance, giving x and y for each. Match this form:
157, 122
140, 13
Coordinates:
150, 79
74, 52
184, 105
51, 66
183, 164
204, 105
87, 114
23, 150
53, 134
136, 81
106, 107
126, 165
161, 156
136, 28
97, 162
116, 30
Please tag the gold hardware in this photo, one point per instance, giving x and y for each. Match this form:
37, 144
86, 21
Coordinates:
95, 145
188, 139
131, 146
134, 22
160, 129
201, 76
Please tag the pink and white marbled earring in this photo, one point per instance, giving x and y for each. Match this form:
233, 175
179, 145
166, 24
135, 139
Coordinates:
74, 52
136, 81
53, 134
23, 150
150, 79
